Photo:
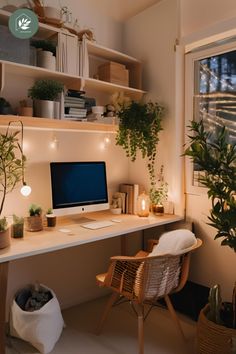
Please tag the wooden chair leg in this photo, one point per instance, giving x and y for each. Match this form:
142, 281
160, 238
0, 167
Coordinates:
114, 296
174, 316
140, 311
3, 295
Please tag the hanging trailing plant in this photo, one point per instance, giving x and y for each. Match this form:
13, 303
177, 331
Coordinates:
139, 127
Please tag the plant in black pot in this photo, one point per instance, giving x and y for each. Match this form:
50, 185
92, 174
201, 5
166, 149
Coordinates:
44, 94
5, 107
139, 128
46, 52
216, 158
51, 218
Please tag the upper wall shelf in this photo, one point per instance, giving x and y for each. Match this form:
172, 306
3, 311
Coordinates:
57, 124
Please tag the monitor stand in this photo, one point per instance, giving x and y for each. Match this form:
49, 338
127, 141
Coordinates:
80, 219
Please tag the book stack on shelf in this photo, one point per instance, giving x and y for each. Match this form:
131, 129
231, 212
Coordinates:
132, 192
74, 106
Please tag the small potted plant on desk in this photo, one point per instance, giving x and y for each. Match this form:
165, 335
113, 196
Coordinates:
17, 227
158, 193
51, 218
34, 221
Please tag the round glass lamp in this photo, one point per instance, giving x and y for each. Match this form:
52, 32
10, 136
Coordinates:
143, 203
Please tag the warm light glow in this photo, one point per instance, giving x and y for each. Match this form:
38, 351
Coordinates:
143, 206
54, 143
107, 140
25, 190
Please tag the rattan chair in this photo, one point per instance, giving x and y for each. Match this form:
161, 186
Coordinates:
144, 280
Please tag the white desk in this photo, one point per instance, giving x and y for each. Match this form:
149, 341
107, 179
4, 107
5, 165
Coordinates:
52, 239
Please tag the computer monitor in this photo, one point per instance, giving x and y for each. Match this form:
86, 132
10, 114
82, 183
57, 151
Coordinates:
78, 187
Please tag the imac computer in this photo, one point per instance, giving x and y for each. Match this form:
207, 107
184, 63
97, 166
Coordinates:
78, 187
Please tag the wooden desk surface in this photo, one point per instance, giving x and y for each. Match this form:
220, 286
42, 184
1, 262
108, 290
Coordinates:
52, 239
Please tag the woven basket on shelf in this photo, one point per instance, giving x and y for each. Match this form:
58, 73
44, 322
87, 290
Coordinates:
213, 338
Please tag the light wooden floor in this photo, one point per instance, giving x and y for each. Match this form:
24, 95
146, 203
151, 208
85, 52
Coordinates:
119, 334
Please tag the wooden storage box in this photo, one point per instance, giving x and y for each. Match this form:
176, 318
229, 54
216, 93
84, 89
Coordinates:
114, 72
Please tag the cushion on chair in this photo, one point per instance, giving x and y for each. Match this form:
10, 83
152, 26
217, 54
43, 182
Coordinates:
100, 278
174, 242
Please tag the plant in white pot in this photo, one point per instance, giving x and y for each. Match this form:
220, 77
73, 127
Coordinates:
216, 157
44, 94
46, 53
11, 172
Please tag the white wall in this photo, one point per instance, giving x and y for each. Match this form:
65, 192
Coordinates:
150, 36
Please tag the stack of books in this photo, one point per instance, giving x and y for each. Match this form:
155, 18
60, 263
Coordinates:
74, 106
131, 195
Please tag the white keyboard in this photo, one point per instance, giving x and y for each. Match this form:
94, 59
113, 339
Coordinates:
94, 225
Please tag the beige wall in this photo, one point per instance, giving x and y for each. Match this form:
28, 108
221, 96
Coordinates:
72, 272
151, 37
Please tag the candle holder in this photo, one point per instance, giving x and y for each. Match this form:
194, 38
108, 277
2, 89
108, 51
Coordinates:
143, 203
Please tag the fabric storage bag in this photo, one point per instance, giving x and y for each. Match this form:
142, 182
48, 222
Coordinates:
41, 328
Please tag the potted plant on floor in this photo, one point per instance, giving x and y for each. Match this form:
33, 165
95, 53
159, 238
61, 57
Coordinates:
34, 221
139, 128
44, 94
216, 157
11, 171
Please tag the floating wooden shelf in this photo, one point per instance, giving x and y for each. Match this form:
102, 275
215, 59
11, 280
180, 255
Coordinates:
57, 124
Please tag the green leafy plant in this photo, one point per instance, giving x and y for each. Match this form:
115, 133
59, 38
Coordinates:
139, 127
45, 90
3, 224
4, 103
215, 156
35, 210
11, 167
45, 45
159, 190
17, 220
49, 211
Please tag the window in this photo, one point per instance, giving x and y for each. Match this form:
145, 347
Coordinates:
210, 96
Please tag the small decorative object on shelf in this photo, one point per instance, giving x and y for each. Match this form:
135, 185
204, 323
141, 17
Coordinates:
46, 52
44, 94
143, 203
51, 218
5, 107
17, 227
24, 109
34, 222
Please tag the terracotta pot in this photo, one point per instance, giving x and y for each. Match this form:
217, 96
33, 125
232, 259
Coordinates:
34, 223
5, 238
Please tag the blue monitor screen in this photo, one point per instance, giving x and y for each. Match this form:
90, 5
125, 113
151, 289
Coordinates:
78, 184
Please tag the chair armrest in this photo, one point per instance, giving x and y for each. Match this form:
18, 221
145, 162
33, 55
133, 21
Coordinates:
151, 244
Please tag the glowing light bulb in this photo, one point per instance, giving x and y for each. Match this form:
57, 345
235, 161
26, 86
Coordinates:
25, 190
